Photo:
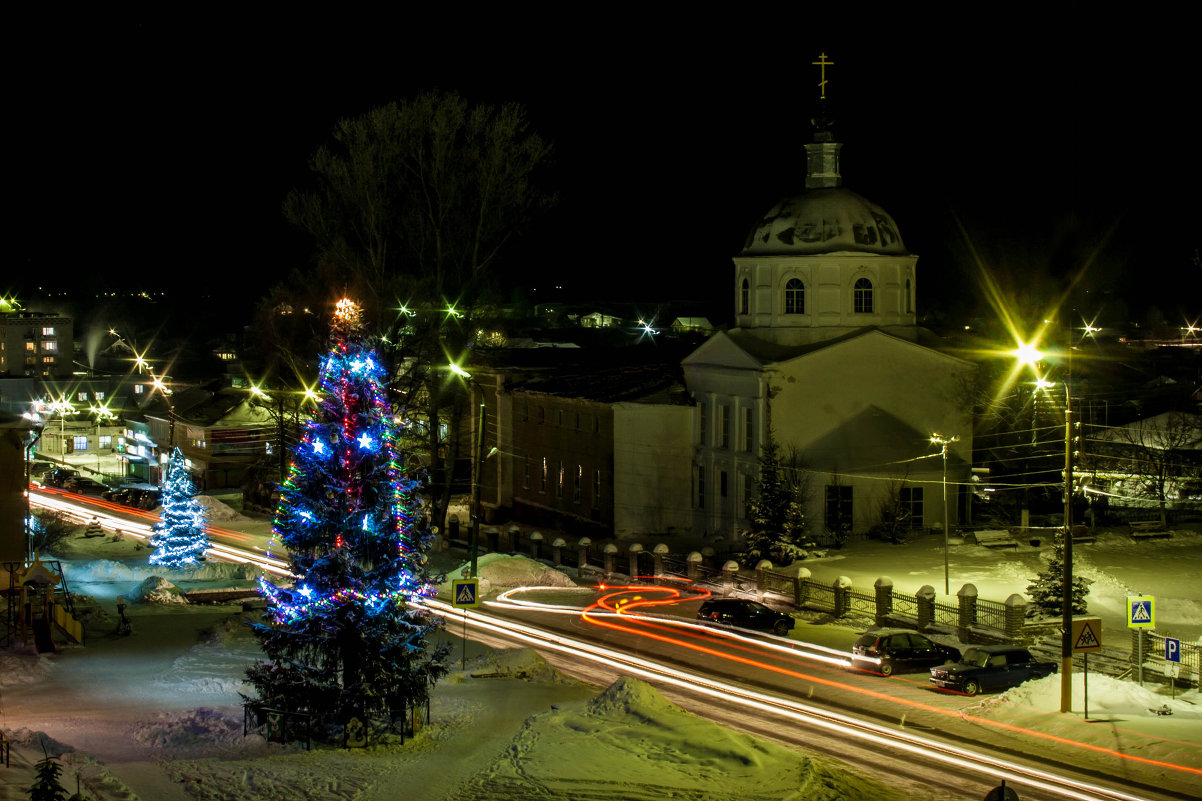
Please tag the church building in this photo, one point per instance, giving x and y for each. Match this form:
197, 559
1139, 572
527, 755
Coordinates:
826, 357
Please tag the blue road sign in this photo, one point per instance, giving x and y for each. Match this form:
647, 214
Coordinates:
1172, 649
465, 592
1141, 612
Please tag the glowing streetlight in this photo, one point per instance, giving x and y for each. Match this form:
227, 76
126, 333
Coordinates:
478, 477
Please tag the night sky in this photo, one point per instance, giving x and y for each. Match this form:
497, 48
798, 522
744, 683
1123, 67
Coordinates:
155, 153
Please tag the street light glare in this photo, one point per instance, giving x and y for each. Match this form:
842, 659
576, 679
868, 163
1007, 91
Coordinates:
1027, 353
459, 371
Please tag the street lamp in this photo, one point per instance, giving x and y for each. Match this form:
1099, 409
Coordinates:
1027, 354
943, 442
478, 473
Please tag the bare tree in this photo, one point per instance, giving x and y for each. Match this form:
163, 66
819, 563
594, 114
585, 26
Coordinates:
410, 211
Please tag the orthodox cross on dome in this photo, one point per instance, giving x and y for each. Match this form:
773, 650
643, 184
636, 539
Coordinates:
822, 64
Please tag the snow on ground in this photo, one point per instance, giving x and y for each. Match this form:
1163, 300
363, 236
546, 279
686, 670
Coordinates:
156, 715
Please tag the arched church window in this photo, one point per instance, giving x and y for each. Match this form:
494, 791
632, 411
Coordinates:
744, 296
862, 296
795, 297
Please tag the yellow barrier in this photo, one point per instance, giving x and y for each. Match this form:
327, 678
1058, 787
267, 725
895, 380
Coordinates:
67, 624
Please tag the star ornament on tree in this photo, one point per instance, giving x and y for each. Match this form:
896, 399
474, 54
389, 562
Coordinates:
365, 441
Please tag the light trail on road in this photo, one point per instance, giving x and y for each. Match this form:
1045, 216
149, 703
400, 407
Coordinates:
792, 710
116, 517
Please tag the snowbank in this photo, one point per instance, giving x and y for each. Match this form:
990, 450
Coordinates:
500, 571
158, 590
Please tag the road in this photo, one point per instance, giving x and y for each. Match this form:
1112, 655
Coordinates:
897, 728
803, 695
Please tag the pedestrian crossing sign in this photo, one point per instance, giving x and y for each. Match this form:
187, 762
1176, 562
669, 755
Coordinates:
465, 592
1141, 612
1087, 635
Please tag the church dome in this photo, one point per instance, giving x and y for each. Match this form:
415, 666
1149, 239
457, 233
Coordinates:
824, 220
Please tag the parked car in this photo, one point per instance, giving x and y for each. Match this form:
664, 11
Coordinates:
899, 650
746, 615
56, 477
84, 485
984, 668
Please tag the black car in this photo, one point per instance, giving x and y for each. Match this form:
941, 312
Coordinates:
57, 476
84, 485
990, 667
746, 615
899, 650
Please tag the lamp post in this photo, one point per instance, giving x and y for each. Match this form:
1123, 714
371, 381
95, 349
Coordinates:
943, 442
477, 475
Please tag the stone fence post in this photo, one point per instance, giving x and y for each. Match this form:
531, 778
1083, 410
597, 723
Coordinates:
884, 599
514, 534
925, 601
635, 549
761, 583
582, 550
729, 571
801, 586
1016, 614
842, 600
658, 553
693, 565
492, 537
557, 546
536, 545
968, 611
610, 551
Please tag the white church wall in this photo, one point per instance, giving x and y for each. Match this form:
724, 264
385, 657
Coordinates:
653, 450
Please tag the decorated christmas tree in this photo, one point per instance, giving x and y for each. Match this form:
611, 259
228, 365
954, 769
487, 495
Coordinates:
348, 638
179, 537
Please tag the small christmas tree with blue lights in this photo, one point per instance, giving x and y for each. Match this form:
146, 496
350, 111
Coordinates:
348, 638
179, 537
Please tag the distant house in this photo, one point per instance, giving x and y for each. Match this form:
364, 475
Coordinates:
599, 319
692, 325
36, 344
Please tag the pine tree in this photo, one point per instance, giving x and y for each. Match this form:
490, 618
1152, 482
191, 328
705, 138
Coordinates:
1047, 593
46, 787
179, 537
346, 639
777, 521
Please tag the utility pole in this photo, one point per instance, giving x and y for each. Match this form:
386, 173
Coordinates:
943, 442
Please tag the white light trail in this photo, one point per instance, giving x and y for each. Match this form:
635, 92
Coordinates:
794, 710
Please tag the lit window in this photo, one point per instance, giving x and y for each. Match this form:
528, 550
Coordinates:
47, 332
47, 360
862, 296
542, 485
795, 297
559, 482
80, 443
50, 347
82, 397
139, 389
106, 441
29, 346
99, 396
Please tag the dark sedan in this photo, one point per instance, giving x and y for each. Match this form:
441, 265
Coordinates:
990, 667
746, 615
899, 650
